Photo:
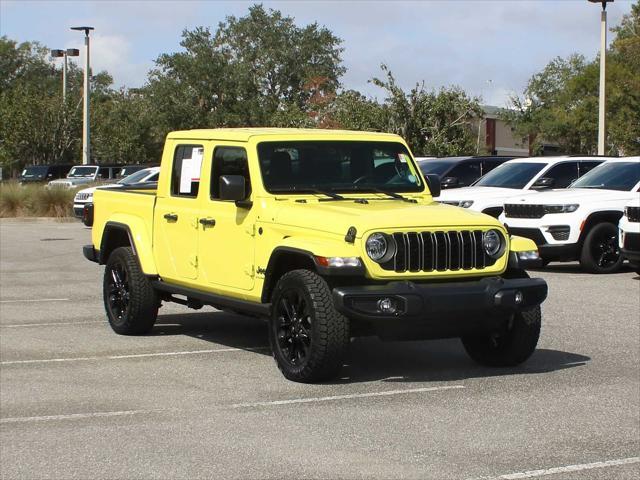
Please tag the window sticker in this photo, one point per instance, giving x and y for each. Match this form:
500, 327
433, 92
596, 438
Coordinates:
190, 171
403, 158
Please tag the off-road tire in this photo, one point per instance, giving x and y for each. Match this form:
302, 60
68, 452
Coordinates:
511, 347
329, 330
587, 260
142, 306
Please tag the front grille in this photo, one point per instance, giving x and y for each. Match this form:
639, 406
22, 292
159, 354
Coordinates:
633, 214
560, 232
521, 210
438, 251
83, 196
632, 242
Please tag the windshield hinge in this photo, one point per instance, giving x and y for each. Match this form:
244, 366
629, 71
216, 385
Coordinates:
193, 260
350, 237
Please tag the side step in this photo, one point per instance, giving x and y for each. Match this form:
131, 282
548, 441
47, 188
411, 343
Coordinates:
207, 298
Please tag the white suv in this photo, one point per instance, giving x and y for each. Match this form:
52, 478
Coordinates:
522, 175
581, 222
630, 234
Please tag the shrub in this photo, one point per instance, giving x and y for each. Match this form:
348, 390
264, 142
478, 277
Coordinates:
14, 200
53, 202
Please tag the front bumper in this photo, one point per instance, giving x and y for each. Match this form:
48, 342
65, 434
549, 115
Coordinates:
631, 247
440, 310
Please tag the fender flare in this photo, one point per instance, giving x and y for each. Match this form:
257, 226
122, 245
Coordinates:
139, 239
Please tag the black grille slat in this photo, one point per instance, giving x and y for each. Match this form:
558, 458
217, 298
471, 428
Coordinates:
400, 258
428, 252
441, 251
454, 241
517, 210
467, 250
414, 252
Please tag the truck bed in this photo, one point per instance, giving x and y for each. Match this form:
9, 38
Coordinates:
126, 206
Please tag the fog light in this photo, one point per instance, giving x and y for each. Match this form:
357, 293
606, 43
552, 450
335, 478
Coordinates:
387, 305
518, 298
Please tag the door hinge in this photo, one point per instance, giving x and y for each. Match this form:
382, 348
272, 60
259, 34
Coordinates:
193, 260
249, 270
195, 222
251, 229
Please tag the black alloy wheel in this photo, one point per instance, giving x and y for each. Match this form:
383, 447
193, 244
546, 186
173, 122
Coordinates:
293, 327
601, 252
117, 283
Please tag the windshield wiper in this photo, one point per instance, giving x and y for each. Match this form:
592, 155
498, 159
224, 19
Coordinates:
393, 195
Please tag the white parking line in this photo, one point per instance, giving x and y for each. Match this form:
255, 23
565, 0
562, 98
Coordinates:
565, 469
137, 355
18, 325
35, 300
76, 416
345, 397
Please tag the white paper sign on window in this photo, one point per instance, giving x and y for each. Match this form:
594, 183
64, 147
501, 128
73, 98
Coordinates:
190, 171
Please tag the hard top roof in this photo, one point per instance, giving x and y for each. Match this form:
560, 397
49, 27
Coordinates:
244, 134
462, 158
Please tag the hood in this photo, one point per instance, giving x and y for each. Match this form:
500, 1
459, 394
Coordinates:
336, 217
573, 195
476, 193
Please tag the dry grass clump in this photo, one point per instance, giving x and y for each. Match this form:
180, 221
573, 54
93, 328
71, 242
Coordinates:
35, 201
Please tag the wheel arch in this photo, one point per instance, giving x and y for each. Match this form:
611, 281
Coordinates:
119, 234
610, 216
283, 260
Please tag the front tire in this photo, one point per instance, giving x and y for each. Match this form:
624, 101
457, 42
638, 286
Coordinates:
600, 251
510, 347
309, 338
130, 301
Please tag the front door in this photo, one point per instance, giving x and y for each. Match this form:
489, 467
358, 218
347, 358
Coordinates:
226, 242
175, 233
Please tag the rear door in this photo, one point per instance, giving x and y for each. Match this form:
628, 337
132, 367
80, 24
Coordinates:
175, 233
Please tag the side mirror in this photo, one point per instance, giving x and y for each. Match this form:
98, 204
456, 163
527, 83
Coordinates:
543, 182
450, 182
433, 182
233, 187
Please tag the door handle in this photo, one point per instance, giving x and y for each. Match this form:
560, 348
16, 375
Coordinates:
207, 222
171, 217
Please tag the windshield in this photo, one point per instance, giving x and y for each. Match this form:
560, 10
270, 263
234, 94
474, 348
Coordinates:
611, 176
438, 168
511, 175
35, 171
126, 171
337, 166
82, 172
134, 177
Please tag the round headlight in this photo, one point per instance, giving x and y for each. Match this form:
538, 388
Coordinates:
492, 243
377, 246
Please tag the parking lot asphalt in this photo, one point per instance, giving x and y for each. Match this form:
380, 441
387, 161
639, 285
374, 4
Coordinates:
201, 396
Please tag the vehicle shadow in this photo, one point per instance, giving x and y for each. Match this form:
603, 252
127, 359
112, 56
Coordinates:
370, 359
573, 268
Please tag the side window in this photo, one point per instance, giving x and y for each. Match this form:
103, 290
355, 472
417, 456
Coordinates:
563, 174
103, 173
466, 173
185, 175
229, 161
154, 177
587, 166
488, 165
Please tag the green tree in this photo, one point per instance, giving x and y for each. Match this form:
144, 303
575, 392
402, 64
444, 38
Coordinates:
433, 122
253, 70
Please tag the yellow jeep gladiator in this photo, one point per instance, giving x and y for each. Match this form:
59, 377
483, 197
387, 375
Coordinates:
327, 234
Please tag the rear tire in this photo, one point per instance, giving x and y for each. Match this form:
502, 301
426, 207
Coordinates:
600, 251
309, 338
511, 347
130, 301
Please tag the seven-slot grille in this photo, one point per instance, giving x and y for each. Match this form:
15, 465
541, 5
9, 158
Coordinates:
83, 196
633, 214
438, 251
521, 210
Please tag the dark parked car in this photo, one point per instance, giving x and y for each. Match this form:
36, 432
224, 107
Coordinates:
44, 173
455, 172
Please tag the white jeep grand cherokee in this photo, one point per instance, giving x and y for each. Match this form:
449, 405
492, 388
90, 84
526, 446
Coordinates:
581, 222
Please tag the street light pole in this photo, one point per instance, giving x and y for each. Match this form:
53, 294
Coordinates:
85, 97
602, 108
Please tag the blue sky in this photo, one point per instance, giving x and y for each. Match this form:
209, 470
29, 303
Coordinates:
489, 48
